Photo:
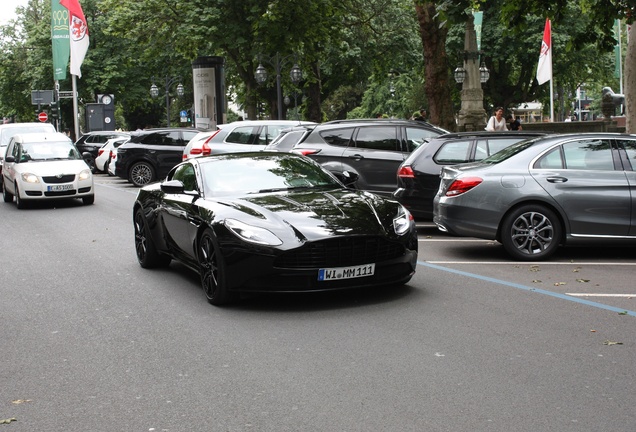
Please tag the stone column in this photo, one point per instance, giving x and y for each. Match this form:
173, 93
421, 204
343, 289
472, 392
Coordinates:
472, 116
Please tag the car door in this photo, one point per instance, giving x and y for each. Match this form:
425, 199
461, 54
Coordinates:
176, 213
8, 168
585, 179
375, 155
627, 150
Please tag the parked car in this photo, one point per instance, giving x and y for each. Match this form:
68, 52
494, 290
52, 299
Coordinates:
271, 222
418, 176
150, 154
239, 136
45, 166
372, 149
90, 143
574, 189
8, 130
104, 154
287, 138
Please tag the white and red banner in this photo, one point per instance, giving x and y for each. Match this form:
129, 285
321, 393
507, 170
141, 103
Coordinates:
544, 71
78, 31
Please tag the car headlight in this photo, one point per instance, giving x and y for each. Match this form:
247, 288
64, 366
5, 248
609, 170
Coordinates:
402, 222
252, 234
30, 178
85, 174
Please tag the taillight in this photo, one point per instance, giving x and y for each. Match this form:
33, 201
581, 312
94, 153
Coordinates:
306, 152
100, 151
406, 172
113, 155
462, 185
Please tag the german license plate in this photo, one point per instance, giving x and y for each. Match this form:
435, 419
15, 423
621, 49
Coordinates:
337, 273
58, 188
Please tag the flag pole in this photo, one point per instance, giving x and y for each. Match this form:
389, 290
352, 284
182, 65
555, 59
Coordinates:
75, 109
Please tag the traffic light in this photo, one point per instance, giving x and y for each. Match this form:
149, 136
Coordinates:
54, 111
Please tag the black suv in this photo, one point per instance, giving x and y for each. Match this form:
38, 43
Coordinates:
371, 149
418, 177
150, 154
90, 143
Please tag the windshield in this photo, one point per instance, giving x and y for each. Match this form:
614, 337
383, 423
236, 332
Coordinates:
260, 174
48, 151
508, 152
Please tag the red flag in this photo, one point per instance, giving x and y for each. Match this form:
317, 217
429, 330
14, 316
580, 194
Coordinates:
78, 30
544, 71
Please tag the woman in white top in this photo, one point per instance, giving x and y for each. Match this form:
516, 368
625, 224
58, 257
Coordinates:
497, 122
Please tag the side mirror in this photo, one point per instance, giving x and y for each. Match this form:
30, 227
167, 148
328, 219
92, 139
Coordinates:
172, 187
9, 158
349, 178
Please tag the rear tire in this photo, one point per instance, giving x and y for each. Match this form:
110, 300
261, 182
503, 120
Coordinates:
147, 254
141, 173
6, 195
531, 232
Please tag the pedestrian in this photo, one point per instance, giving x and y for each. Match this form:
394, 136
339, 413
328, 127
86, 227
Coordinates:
513, 123
417, 116
497, 122
423, 115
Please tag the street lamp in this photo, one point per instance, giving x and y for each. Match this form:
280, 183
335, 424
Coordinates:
169, 81
278, 63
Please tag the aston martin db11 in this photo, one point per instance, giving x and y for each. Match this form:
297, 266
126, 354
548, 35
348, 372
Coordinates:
272, 222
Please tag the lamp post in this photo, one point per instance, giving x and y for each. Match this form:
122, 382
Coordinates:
169, 81
278, 63
472, 115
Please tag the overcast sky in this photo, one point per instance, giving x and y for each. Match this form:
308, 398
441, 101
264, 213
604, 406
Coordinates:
8, 9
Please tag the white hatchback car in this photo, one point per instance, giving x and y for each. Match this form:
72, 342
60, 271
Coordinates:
45, 166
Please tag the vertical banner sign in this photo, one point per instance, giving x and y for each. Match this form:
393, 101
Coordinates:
478, 18
60, 37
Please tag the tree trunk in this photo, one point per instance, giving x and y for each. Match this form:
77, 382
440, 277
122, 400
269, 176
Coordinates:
314, 112
630, 82
437, 79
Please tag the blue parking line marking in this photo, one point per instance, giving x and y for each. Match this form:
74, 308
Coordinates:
532, 289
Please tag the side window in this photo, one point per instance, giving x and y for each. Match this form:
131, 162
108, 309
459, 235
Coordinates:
378, 138
338, 137
629, 151
453, 152
268, 133
415, 137
550, 160
156, 138
588, 155
185, 173
487, 147
174, 139
188, 135
241, 135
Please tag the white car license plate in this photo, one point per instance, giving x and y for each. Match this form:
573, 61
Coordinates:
58, 188
337, 273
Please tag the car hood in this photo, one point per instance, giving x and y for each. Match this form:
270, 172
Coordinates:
51, 168
314, 215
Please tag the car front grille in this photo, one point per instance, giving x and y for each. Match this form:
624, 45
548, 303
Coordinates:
66, 178
340, 252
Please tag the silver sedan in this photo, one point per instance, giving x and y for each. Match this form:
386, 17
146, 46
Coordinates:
574, 189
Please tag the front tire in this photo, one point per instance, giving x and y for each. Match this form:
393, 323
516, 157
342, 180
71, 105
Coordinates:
147, 254
19, 202
141, 173
88, 200
212, 270
531, 232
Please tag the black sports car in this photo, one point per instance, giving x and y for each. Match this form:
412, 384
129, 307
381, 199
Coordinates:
272, 222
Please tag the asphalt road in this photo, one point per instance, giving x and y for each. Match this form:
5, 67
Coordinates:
90, 341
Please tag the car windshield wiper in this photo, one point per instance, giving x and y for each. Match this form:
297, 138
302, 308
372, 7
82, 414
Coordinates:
289, 188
